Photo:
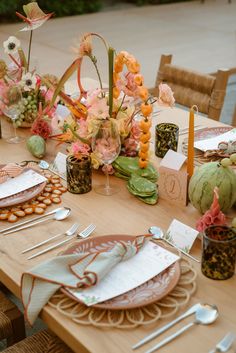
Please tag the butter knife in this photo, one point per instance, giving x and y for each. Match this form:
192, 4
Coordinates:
225, 344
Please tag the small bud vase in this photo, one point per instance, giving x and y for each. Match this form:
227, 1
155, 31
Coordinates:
79, 174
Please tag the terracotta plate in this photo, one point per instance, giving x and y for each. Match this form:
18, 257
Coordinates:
202, 135
149, 292
22, 196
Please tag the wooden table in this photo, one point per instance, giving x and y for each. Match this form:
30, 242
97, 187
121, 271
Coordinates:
118, 214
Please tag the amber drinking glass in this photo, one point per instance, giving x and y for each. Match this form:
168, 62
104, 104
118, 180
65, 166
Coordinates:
218, 252
167, 135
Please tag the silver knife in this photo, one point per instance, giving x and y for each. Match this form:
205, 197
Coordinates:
54, 246
225, 344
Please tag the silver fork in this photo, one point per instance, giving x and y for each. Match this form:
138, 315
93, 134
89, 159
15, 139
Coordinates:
87, 231
83, 234
225, 344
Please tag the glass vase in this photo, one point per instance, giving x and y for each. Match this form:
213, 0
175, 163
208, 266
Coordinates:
79, 174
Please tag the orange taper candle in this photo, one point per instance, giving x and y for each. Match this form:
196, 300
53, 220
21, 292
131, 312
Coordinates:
190, 162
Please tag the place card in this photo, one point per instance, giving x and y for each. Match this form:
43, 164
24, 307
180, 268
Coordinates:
173, 186
181, 235
151, 260
213, 142
173, 160
59, 165
24, 181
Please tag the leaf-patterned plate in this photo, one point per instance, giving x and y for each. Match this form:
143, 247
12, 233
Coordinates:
22, 196
203, 134
149, 292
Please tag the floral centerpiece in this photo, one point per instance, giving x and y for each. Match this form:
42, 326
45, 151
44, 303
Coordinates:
125, 99
36, 93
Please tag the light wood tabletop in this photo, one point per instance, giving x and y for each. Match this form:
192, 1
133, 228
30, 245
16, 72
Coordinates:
118, 214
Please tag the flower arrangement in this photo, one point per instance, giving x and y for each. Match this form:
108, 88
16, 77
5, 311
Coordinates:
36, 93
124, 100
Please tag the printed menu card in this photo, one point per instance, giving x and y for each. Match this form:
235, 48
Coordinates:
22, 182
127, 275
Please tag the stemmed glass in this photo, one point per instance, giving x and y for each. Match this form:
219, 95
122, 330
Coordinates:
106, 144
11, 107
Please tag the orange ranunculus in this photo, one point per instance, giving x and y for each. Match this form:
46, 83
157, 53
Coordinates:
145, 137
116, 92
144, 146
146, 109
145, 125
138, 79
142, 163
143, 93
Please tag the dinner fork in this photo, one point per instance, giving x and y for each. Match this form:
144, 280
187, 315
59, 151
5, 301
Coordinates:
87, 231
225, 344
82, 235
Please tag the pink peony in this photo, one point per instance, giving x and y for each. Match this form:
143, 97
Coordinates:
79, 148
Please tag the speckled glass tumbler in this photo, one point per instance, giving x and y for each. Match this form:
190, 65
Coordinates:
167, 135
218, 252
79, 174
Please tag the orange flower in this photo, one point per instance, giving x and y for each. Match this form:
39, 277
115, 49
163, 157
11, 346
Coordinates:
143, 93
138, 79
146, 109
116, 77
133, 66
116, 92
118, 65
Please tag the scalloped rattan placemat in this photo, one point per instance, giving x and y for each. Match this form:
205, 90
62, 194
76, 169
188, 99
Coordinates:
131, 318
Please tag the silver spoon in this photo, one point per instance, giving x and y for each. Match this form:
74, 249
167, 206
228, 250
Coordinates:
59, 215
159, 234
69, 233
156, 333
204, 315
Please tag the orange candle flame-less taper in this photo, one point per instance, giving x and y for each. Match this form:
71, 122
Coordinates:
190, 163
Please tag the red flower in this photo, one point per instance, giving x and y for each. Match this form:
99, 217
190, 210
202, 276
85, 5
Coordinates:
42, 128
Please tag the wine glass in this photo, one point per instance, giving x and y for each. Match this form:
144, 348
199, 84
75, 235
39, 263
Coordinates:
106, 144
12, 98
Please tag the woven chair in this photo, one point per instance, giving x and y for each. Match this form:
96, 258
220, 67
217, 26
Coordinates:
234, 117
41, 342
12, 326
191, 87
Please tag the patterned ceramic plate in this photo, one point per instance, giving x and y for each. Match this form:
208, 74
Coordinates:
22, 196
202, 135
149, 292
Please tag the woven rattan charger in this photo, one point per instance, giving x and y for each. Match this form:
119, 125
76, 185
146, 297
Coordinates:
131, 318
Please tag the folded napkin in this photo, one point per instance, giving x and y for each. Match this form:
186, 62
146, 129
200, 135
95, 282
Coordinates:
80, 270
11, 170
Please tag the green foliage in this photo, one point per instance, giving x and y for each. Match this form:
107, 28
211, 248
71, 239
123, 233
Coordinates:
60, 8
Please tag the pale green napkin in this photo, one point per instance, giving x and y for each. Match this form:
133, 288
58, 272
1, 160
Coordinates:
74, 271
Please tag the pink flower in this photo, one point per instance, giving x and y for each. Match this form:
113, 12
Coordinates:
127, 84
135, 130
166, 97
131, 146
99, 109
79, 148
108, 169
83, 128
212, 216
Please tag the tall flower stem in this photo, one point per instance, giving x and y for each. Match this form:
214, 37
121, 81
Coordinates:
94, 61
111, 52
29, 49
